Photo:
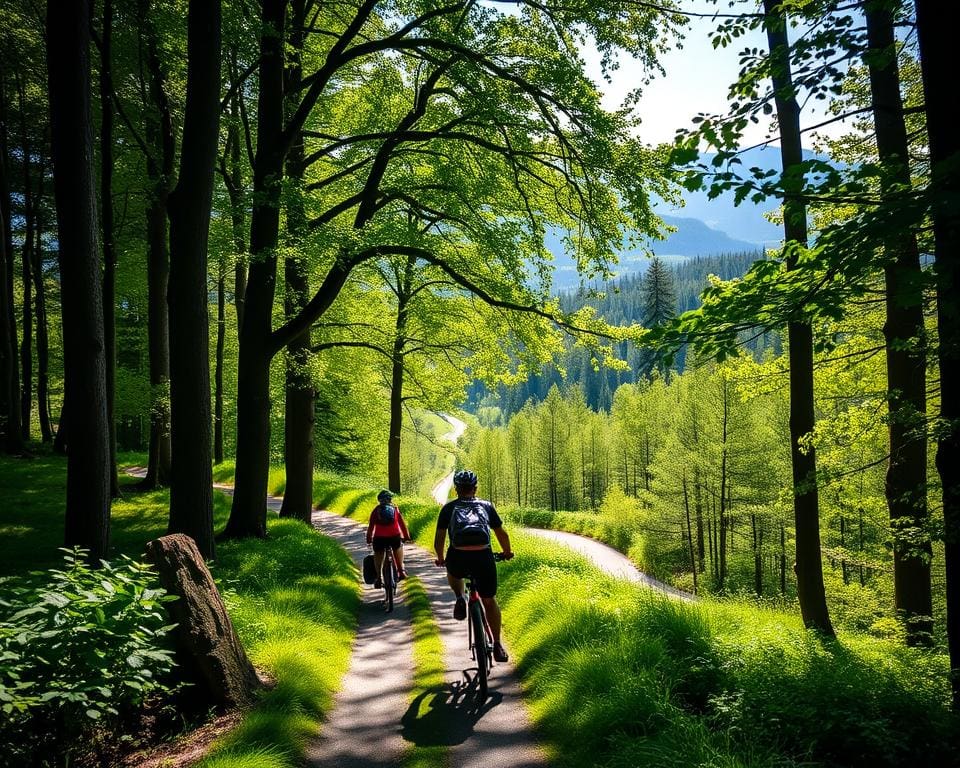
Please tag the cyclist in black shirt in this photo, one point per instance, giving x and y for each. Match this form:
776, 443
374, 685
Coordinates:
469, 520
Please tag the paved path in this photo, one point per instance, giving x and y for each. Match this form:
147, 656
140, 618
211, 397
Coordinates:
374, 717
609, 560
441, 491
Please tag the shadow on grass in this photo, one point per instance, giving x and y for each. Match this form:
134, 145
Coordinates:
445, 715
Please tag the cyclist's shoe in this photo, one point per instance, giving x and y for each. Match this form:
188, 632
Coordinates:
460, 609
401, 574
378, 584
500, 653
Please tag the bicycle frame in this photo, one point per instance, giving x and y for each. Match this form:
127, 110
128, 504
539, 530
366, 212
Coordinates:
480, 639
389, 578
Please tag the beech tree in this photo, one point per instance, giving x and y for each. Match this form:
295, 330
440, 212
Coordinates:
935, 22
189, 206
464, 78
88, 462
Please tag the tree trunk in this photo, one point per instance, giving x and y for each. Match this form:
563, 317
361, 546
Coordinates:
209, 652
757, 557
9, 371
159, 136
106, 225
43, 343
698, 509
29, 218
783, 559
60, 439
189, 206
88, 462
693, 557
806, 506
158, 339
904, 335
298, 390
248, 512
936, 33
218, 371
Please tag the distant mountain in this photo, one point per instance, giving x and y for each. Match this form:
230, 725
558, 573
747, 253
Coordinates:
692, 238
745, 221
704, 227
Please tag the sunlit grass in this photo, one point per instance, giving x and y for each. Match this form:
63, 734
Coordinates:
428, 671
293, 598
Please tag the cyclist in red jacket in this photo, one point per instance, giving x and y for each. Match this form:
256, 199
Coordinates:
387, 528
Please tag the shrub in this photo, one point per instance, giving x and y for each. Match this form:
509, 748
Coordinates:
80, 649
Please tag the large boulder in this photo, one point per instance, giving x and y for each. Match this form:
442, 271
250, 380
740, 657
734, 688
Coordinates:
207, 645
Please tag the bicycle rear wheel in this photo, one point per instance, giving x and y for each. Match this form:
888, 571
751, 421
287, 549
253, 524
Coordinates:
480, 650
389, 583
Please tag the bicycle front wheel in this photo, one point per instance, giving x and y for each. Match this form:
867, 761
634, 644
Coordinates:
480, 650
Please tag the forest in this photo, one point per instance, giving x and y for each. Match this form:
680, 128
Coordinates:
280, 245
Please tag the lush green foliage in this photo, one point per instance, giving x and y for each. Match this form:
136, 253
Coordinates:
78, 647
293, 600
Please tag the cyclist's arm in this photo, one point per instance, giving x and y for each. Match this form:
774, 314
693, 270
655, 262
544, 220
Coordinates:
504, 538
403, 526
370, 527
438, 541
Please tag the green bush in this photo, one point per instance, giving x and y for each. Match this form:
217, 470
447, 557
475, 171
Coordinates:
79, 650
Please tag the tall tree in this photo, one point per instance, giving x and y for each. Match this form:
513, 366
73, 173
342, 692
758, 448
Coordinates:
107, 227
362, 175
88, 462
190, 204
904, 333
160, 151
809, 567
298, 451
26, 255
936, 25
9, 369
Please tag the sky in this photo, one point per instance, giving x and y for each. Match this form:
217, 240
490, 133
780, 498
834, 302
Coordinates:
697, 79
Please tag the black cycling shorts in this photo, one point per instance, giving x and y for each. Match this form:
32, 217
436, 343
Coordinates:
478, 563
380, 543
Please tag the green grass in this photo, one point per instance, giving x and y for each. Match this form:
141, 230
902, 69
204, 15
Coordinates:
292, 597
428, 683
619, 676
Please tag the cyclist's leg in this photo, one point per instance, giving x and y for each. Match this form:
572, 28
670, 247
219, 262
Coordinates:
485, 574
379, 549
398, 558
493, 616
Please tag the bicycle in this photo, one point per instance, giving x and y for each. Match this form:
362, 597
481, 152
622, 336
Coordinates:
389, 577
479, 634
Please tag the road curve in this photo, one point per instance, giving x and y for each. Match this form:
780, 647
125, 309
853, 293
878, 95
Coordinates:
441, 491
608, 560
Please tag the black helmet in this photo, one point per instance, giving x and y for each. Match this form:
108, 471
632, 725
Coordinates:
384, 496
465, 478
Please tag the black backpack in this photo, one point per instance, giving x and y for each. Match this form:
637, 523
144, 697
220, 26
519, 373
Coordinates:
469, 524
388, 513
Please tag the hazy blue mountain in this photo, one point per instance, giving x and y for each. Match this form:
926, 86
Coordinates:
704, 227
745, 221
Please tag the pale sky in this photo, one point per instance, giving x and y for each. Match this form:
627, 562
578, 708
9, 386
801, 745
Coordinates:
697, 78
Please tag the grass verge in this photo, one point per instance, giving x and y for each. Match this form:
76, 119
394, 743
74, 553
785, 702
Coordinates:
292, 597
428, 681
